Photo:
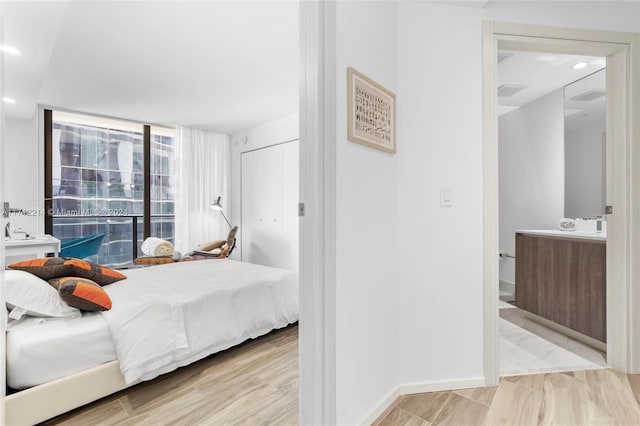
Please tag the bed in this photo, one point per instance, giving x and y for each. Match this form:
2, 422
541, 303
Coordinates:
163, 317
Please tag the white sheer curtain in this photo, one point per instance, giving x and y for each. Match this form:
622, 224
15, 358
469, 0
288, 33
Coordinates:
202, 175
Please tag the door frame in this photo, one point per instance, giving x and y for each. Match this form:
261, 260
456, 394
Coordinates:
623, 163
317, 277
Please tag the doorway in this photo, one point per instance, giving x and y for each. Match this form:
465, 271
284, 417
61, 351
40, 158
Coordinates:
552, 117
616, 48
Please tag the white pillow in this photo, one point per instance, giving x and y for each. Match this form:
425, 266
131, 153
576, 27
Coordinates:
35, 295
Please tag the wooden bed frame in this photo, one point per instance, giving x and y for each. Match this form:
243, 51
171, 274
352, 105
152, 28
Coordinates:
43, 402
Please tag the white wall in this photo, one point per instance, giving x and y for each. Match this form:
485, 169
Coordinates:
273, 132
367, 222
531, 152
22, 172
440, 139
440, 280
585, 179
432, 57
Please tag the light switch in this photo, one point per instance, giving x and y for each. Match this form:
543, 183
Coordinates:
446, 196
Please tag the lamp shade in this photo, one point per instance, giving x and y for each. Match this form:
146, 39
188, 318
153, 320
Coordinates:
216, 205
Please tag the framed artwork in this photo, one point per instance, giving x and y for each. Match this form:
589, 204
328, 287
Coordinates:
372, 112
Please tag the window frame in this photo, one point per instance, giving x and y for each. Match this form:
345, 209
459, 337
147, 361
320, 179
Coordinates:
48, 182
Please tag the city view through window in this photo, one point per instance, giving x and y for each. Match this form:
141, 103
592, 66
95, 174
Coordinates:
98, 183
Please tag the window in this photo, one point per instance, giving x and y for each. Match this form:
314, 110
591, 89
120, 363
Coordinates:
96, 179
162, 183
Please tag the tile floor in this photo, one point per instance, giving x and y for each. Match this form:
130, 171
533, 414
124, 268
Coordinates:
527, 347
579, 398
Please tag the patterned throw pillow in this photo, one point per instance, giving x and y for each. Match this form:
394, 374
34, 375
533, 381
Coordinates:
45, 268
82, 293
54, 267
94, 272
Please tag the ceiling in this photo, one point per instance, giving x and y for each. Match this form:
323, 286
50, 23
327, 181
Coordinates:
222, 66
540, 74
577, 111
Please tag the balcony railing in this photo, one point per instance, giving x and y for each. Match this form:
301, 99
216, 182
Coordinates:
123, 234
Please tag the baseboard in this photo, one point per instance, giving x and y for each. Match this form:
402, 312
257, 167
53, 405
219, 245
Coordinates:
421, 388
441, 386
384, 406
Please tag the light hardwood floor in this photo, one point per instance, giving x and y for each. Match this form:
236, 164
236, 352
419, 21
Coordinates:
581, 398
255, 383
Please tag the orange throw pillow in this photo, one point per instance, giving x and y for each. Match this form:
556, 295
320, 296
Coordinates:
55, 267
44, 267
93, 271
82, 293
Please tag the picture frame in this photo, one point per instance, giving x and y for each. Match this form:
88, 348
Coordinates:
371, 110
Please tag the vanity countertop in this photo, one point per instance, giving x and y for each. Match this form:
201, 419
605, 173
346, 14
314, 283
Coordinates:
596, 236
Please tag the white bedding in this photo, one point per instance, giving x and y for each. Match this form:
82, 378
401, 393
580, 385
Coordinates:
40, 350
163, 317
167, 316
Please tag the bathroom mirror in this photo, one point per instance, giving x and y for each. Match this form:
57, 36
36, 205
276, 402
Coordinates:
585, 125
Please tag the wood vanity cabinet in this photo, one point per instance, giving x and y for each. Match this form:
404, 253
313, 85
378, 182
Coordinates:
563, 280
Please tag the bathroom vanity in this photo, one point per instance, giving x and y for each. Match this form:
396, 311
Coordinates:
561, 280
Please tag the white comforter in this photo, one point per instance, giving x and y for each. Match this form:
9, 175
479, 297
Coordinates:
167, 316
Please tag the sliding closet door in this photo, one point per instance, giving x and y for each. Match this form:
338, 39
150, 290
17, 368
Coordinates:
269, 206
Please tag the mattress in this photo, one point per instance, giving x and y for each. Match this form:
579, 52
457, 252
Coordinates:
40, 350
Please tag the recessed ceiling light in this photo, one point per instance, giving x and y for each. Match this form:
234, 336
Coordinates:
8, 101
579, 65
9, 49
